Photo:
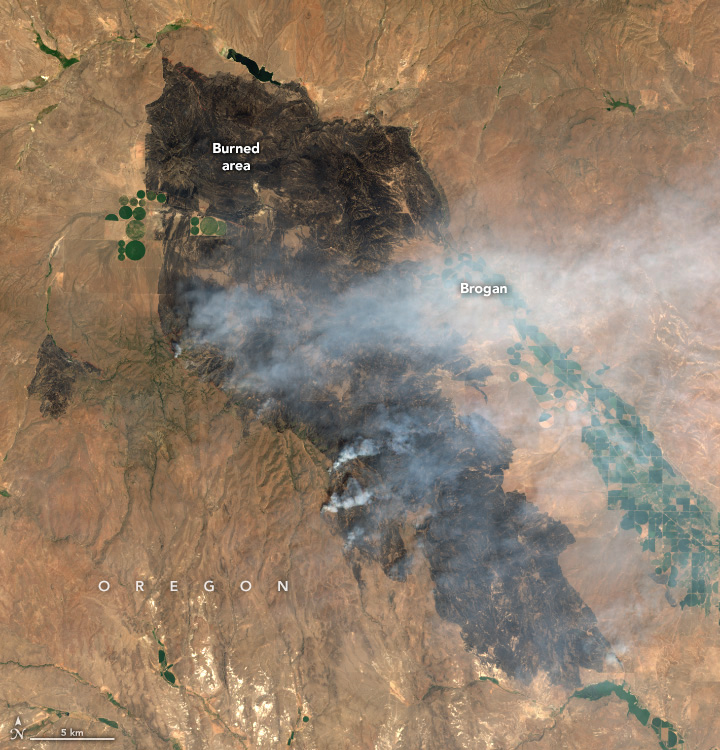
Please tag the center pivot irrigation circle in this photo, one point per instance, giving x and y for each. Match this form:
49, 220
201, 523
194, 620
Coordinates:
135, 250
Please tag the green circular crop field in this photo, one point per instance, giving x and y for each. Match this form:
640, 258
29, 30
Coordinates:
208, 225
139, 213
135, 250
125, 212
135, 230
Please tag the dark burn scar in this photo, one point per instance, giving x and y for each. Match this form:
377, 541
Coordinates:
55, 376
318, 215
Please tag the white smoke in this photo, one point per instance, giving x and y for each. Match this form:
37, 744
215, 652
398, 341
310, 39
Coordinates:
401, 429
359, 449
354, 536
353, 496
638, 296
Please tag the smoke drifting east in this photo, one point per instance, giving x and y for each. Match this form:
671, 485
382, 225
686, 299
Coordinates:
298, 307
362, 367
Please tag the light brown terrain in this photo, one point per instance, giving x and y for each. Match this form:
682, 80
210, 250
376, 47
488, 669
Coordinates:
606, 220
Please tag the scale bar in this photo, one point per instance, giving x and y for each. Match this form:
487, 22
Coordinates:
71, 739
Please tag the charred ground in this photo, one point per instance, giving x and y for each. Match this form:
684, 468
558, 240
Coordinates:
55, 377
316, 217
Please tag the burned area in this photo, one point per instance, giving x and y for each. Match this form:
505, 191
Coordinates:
301, 313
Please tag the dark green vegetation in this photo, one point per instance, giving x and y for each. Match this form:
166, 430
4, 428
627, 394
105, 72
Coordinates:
176, 26
48, 294
4, 493
603, 689
208, 225
57, 712
168, 676
66, 62
260, 73
667, 734
141, 196
112, 700
135, 250
34, 83
492, 555
45, 111
615, 103
681, 527
109, 722
55, 377
132, 210
305, 719
480, 541
659, 504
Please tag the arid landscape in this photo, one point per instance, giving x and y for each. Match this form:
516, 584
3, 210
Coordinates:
269, 479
